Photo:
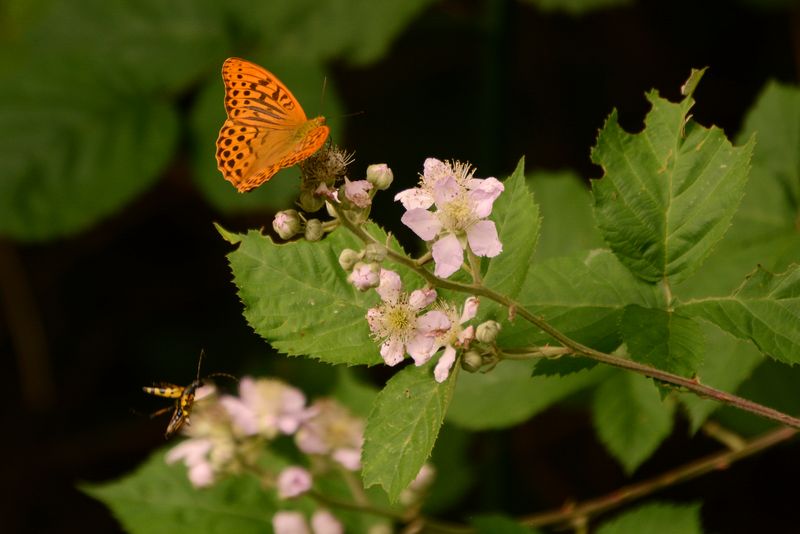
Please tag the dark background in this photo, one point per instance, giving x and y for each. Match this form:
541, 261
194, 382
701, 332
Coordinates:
87, 320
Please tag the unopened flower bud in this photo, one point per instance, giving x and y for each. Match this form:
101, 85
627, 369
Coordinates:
286, 223
357, 192
293, 481
487, 331
348, 258
313, 230
309, 201
471, 361
375, 252
380, 175
365, 275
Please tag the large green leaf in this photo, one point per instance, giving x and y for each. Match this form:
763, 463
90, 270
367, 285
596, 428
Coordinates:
764, 230
74, 147
297, 297
631, 418
402, 428
656, 518
516, 216
582, 296
508, 395
158, 499
669, 193
564, 231
663, 339
765, 310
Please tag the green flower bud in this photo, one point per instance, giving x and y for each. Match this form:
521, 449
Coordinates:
313, 230
471, 361
487, 332
309, 201
348, 258
380, 175
287, 224
375, 252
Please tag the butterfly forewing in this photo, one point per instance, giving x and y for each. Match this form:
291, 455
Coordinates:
266, 129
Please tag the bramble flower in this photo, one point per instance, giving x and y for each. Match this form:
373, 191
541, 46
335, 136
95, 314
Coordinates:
332, 431
357, 192
267, 407
395, 322
455, 336
287, 224
194, 453
462, 205
293, 482
324, 522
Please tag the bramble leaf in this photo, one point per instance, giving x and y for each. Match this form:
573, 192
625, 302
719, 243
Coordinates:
668, 194
402, 428
656, 518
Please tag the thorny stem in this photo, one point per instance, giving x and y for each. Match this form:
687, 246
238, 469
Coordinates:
718, 461
576, 348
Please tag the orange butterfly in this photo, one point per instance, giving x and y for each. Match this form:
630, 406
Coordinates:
266, 129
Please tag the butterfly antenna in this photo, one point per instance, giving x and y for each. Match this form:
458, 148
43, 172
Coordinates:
322, 96
224, 375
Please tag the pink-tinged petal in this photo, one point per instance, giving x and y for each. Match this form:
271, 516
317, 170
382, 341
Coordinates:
445, 363
242, 416
349, 458
434, 323
422, 222
324, 522
392, 352
421, 348
448, 256
310, 442
484, 195
390, 286
324, 191
482, 238
204, 391
414, 198
466, 336
293, 481
445, 191
285, 522
470, 309
420, 298
435, 170
365, 276
374, 319
201, 475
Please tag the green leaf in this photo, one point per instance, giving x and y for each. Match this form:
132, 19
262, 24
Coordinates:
663, 339
630, 418
765, 310
582, 296
74, 148
306, 80
514, 395
578, 7
498, 524
351, 391
726, 364
764, 229
402, 428
516, 216
158, 499
669, 193
656, 518
564, 231
296, 296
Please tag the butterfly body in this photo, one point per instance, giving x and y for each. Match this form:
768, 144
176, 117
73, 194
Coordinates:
266, 129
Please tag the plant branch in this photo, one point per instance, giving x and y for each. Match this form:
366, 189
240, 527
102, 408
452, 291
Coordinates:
575, 347
713, 462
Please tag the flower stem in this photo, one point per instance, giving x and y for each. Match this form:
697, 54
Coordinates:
575, 347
